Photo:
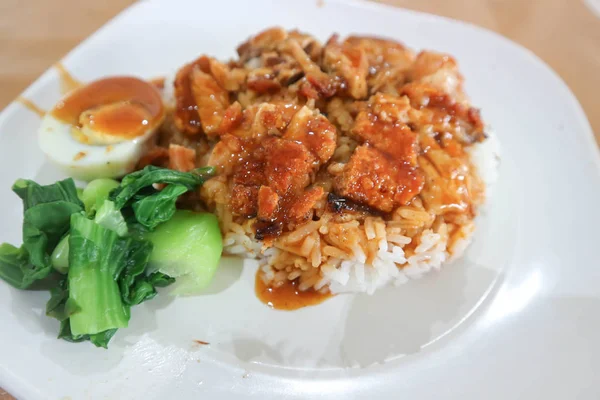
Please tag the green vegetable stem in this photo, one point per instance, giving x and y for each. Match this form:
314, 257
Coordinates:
187, 247
111, 249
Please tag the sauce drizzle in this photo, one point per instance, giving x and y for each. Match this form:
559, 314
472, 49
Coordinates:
287, 297
31, 106
67, 82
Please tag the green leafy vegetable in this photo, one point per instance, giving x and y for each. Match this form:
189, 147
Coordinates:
47, 214
62, 308
99, 339
107, 276
96, 257
60, 256
14, 266
34, 194
145, 287
158, 279
135, 182
96, 192
43, 227
111, 218
187, 247
155, 209
101, 239
108, 217
138, 254
59, 306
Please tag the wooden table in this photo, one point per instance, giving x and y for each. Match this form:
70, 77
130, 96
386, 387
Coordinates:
564, 33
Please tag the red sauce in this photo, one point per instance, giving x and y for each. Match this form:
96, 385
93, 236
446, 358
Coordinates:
287, 297
119, 106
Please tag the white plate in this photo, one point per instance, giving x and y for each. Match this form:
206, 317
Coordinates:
519, 317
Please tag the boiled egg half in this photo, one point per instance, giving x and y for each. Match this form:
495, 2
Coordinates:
102, 129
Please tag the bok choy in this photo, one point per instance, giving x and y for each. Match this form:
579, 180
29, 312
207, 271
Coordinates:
100, 251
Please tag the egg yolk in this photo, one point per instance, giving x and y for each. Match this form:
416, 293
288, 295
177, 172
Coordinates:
111, 110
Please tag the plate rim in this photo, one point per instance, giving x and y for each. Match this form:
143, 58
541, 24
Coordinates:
20, 387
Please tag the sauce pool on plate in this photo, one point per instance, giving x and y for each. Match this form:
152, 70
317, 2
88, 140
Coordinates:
287, 297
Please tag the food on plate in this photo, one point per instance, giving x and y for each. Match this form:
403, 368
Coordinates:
100, 130
103, 253
96, 192
341, 166
178, 252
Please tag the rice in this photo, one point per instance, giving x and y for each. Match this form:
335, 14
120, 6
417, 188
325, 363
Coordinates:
378, 243
344, 268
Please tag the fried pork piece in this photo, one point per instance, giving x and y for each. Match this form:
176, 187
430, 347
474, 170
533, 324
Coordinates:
271, 181
211, 100
350, 62
201, 95
395, 126
266, 119
382, 173
261, 42
439, 112
286, 61
288, 165
256, 122
268, 202
228, 153
440, 71
302, 205
446, 188
374, 178
383, 53
298, 124
271, 38
181, 158
368, 64
314, 76
383, 124
274, 65
314, 131
278, 59
232, 118
273, 157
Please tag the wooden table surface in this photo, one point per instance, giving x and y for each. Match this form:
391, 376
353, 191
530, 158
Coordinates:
564, 33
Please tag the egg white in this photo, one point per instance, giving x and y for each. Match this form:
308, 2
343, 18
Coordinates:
86, 161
